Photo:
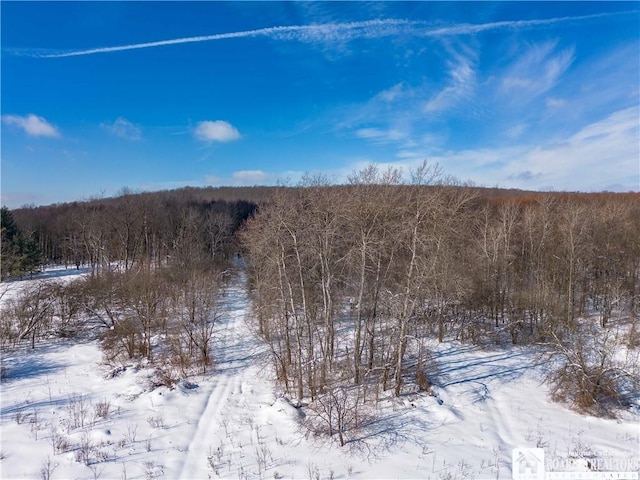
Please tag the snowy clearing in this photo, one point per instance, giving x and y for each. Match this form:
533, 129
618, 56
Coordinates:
65, 414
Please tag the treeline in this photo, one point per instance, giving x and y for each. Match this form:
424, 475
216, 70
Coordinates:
184, 227
350, 281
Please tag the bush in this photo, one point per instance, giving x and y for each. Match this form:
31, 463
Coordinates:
101, 409
121, 343
590, 377
338, 410
164, 377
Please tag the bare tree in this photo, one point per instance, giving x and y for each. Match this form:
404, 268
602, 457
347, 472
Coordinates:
338, 410
32, 311
199, 313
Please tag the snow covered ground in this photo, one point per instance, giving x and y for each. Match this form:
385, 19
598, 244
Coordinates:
62, 413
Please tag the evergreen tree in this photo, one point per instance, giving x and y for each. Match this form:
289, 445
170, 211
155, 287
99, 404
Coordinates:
19, 254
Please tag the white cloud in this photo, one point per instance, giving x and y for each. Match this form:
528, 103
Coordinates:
555, 102
381, 135
537, 70
254, 177
216, 131
123, 128
603, 155
615, 125
393, 108
213, 180
516, 130
32, 125
392, 93
13, 200
461, 85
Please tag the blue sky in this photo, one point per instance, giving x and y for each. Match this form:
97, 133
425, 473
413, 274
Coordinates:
97, 96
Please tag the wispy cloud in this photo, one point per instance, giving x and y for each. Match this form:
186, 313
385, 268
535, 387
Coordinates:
13, 200
393, 93
253, 177
472, 29
525, 176
461, 84
381, 135
538, 69
606, 83
605, 152
123, 128
396, 115
614, 127
32, 125
341, 32
216, 131
391, 105
516, 130
555, 102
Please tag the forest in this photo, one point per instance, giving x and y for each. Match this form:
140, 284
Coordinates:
348, 282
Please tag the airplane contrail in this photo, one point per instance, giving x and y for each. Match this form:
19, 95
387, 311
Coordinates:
344, 31
298, 32
470, 28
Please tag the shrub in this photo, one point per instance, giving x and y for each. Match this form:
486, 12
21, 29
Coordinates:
121, 342
338, 410
101, 409
589, 376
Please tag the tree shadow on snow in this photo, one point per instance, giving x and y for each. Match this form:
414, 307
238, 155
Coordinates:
28, 366
379, 435
467, 366
47, 274
472, 364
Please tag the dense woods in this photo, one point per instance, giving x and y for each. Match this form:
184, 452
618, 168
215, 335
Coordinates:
349, 282
186, 226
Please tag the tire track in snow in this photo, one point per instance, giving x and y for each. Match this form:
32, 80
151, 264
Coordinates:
236, 350
473, 377
501, 417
